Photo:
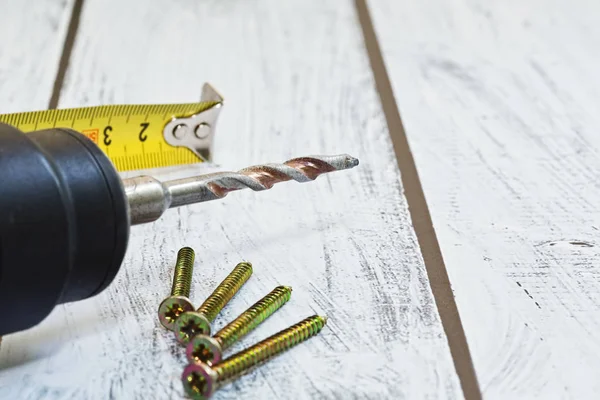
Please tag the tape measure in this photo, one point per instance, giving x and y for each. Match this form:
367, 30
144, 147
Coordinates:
137, 136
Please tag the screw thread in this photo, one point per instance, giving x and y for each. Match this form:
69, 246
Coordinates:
184, 267
253, 316
225, 291
239, 363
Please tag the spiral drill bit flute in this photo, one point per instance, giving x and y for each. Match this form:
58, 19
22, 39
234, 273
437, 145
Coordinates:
150, 198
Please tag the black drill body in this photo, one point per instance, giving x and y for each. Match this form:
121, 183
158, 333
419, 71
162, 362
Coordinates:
64, 222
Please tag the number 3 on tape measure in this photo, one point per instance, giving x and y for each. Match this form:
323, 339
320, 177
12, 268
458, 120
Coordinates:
107, 140
138, 136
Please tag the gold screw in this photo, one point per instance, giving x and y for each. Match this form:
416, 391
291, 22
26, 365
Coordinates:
178, 302
200, 380
209, 350
192, 323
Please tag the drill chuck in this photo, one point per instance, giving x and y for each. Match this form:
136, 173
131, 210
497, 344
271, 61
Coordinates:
64, 222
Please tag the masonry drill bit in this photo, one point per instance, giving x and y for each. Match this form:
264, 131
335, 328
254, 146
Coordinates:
149, 198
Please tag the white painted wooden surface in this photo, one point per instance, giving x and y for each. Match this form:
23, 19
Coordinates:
500, 104
32, 34
296, 81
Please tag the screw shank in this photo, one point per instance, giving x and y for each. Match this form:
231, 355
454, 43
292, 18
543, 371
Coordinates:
253, 316
238, 364
183, 272
225, 291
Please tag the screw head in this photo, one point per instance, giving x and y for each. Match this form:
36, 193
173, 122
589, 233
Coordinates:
199, 381
204, 349
171, 309
190, 324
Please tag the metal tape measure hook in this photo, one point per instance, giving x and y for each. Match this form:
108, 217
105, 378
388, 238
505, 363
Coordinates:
196, 132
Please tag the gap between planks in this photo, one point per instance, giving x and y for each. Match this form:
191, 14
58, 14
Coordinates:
63, 64
419, 212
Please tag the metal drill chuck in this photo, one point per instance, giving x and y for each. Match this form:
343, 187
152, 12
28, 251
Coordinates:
65, 214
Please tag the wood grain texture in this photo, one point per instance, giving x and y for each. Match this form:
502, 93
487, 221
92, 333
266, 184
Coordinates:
32, 34
499, 101
296, 81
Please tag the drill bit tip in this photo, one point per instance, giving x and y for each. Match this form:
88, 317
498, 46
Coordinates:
337, 162
342, 161
264, 176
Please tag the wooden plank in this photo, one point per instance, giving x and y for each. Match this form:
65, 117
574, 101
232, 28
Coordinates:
499, 104
296, 81
32, 34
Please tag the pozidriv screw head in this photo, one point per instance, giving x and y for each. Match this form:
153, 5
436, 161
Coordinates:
190, 324
204, 349
171, 309
200, 381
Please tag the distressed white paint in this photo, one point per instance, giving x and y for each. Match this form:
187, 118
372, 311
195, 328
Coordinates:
500, 104
32, 34
296, 81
